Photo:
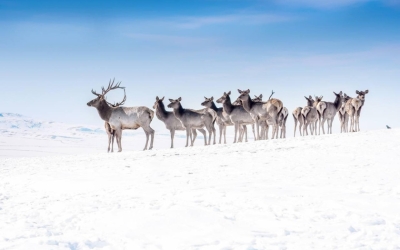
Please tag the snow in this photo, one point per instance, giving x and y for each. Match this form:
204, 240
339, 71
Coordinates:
339, 191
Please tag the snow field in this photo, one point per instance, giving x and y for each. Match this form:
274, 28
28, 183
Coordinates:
338, 191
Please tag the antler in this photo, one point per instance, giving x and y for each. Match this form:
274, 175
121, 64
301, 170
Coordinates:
111, 86
271, 94
118, 103
94, 93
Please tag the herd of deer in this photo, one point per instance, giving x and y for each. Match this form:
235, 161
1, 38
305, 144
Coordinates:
244, 111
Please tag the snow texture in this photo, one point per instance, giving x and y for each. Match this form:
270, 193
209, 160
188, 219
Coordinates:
338, 191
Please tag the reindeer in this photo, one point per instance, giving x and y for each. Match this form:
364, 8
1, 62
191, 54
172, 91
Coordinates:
298, 118
310, 114
192, 119
238, 116
171, 122
121, 118
268, 111
327, 111
353, 109
343, 116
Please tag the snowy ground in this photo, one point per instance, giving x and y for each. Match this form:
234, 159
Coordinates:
338, 191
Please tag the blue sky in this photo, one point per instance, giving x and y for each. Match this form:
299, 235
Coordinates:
53, 53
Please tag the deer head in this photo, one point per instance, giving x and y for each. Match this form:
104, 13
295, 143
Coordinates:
208, 102
361, 94
223, 98
175, 103
318, 98
101, 97
157, 103
244, 95
257, 98
310, 100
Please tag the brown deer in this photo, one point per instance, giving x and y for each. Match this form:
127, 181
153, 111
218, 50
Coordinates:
238, 116
223, 120
298, 118
268, 111
171, 122
327, 112
353, 109
343, 116
310, 115
121, 118
192, 119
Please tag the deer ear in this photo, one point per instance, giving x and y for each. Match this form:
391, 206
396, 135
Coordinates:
261, 96
306, 97
340, 93
171, 100
357, 92
157, 99
205, 98
180, 99
366, 92
240, 91
248, 90
229, 92
334, 93
212, 98
162, 99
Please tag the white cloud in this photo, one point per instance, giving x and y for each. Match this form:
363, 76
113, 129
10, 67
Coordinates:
194, 22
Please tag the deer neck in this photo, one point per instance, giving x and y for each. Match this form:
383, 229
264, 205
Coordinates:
214, 107
178, 112
248, 104
161, 113
227, 105
338, 103
104, 111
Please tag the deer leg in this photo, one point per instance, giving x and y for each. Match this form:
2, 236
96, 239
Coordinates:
119, 136
352, 123
172, 131
214, 132
258, 129
109, 141
305, 128
225, 134
149, 132
190, 136
236, 131
245, 133
254, 134
112, 144
187, 136
357, 123
284, 130
210, 131
322, 124
147, 139
194, 133
221, 128
203, 132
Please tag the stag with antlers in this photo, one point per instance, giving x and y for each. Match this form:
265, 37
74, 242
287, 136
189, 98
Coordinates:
120, 118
